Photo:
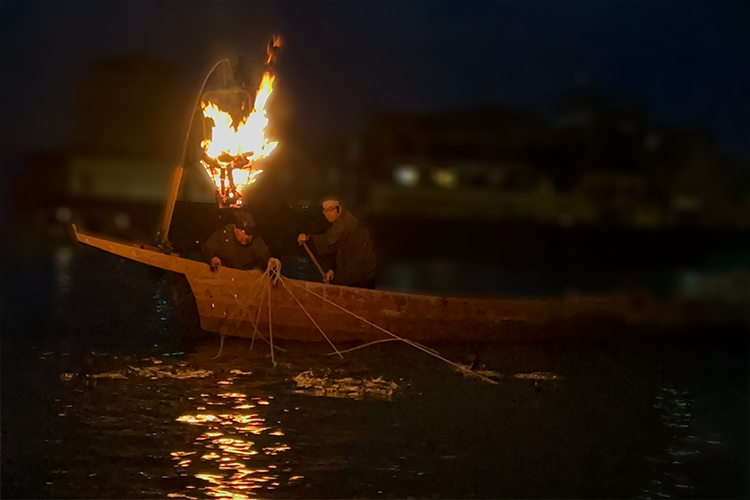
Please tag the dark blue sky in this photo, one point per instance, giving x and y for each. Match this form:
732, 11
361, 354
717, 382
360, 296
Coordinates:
687, 61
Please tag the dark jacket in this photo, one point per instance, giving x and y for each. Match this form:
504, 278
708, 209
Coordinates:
224, 245
349, 242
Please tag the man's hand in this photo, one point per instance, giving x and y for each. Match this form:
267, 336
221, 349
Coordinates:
301, 238
329, 276
215, 264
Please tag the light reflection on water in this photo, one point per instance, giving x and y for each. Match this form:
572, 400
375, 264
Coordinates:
232, 435
671, 469
203, 428
63, 257
227, 454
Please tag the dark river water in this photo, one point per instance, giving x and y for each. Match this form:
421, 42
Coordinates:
104, 396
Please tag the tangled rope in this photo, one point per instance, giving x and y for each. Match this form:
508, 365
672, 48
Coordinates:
273, 275
416, 345
311, 319
273, 270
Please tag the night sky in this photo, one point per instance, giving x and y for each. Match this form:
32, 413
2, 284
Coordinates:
688, 62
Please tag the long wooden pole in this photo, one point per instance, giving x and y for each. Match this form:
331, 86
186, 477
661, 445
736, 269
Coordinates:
169, 210
315, 261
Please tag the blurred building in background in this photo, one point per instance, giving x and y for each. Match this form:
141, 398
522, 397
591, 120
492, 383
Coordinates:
595, 162
597, 186
130, 121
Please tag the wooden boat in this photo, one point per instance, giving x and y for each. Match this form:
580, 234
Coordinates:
229, 300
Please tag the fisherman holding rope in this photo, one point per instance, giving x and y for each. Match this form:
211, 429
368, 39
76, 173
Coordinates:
237, 246
348, 241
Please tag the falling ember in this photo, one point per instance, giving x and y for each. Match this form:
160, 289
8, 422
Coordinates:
233, 148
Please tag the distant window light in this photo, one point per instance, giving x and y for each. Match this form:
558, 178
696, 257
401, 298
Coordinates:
445, 178
406, 175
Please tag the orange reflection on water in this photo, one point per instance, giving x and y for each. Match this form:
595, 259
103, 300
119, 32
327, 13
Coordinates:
232, 466
274, 450
183, 453
232, 395
253, 429
197, 419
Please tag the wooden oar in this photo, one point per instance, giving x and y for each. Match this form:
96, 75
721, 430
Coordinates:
315, 261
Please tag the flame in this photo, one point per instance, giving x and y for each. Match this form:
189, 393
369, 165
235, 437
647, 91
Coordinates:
232, 149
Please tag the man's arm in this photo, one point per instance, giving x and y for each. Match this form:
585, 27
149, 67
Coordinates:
263, 253
210, 248
328, 242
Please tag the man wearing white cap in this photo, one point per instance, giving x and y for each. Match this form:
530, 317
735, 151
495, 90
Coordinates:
349, 242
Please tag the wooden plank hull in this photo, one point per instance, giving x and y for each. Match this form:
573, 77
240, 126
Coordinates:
229, 301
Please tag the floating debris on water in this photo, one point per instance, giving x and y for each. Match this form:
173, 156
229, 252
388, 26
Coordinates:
115, 375
240, 372
535, 376
545, 376
152, 372
170, 372
348, 387
486, 373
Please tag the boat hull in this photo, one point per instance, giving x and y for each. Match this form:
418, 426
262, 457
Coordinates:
233, 302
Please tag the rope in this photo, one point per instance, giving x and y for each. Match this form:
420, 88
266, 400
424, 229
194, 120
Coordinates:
411, 343
433, 351
245, 309
239, 321
221, 347
274, 269
270, 322
243, 306
273, 272
311, 319
257, 319
365, 345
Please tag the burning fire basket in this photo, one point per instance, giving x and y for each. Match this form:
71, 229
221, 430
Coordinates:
234, 141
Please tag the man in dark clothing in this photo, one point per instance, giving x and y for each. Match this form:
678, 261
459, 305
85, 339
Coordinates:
236, 245
349, 242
